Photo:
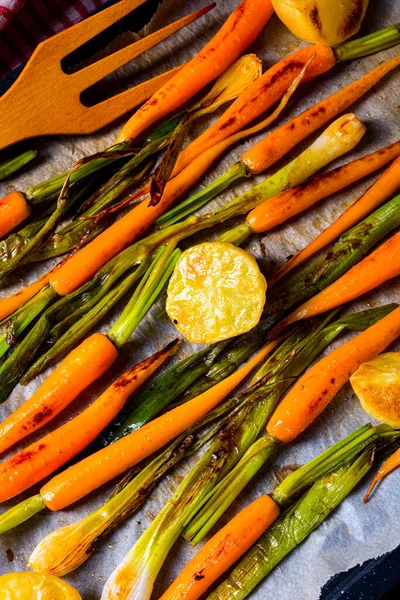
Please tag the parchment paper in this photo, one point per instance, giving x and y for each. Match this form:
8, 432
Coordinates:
354, 532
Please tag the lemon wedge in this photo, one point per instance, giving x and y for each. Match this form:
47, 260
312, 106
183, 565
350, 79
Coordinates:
216, 291
377, 385
35, 586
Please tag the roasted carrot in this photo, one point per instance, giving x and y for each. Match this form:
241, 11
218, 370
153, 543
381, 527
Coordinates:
278, 143
13, 210
48, 454
102, 466
223, 550
313, 391
82, 265
127, 229
75, 373
12, 303
388, 466
379, 266
258, 98
241, 28
273, 212
384, 187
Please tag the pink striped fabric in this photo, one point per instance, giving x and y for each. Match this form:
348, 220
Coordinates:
25, 23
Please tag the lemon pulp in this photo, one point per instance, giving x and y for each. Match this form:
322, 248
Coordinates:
216, 291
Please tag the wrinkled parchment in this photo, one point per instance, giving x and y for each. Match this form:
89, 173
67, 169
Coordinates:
354, 532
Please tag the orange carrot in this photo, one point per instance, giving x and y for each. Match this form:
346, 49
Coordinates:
75, 373
48, 454
278, 143
82, 265
316, 388
95, 470
388, 466
223, 550
237, 33
13, 210
259, 97
383, 188
277, 210
12, 303
379, 266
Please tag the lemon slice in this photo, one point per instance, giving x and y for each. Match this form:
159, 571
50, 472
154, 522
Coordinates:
216, 292
35, 586
377, 385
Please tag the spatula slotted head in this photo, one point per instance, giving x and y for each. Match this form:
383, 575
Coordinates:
46, 101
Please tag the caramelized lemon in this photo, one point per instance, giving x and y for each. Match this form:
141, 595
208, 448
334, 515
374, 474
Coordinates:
35, 586
377, 385
321, 21
216, 292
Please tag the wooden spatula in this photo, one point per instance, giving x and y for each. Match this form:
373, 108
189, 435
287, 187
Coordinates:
45, 100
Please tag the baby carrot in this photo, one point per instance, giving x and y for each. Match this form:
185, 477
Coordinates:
388, 466
290, 203
75, 373
78, 269
376, 268
13, 210
236, 34
223, 550
315, 389
102, 466
383, 188
278, 143
48, 454
258, 98
12, 303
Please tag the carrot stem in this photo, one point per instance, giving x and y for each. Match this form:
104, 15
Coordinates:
369, 44
11, 165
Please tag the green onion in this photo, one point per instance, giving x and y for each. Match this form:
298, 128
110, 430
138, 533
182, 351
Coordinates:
11, 165
261, 451
293, 528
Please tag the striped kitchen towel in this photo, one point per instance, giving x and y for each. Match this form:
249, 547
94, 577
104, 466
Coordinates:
25, 23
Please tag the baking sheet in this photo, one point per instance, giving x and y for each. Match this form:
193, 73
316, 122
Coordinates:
355, 532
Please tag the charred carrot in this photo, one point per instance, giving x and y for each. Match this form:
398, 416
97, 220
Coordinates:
392, 463
313, 391
102, 466
258, 98
89, 259
384, 187
273, 212
223, 550
233, 540
278, 143
381, 265
241, 28
268, 89
48, 454
129, 227
83, 366
13, 210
